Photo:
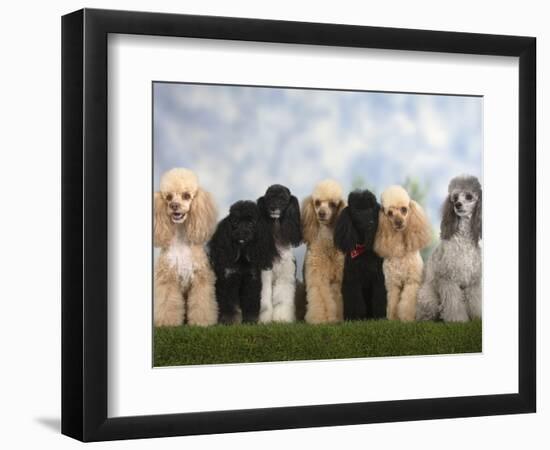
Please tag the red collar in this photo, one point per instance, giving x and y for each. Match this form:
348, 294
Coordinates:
358, 250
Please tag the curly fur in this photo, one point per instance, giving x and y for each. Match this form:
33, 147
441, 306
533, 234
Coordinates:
184, 219
241, 247
363, 288
403, 230
281, 212
324, 263
451, 290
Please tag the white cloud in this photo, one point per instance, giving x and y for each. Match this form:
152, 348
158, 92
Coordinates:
202, 97
404, 123
431, 126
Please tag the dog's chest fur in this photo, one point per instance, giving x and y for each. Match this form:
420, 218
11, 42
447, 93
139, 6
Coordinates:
180, 259
325, 244
323, 255
285, 265
461, 257
400, 269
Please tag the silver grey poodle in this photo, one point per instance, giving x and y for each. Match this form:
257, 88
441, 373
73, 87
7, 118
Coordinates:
451, 290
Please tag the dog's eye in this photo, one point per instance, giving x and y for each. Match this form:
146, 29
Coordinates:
186, 195
469, 197
317, 203
169, 197
455, 197
332, 205
403, 210
390, 213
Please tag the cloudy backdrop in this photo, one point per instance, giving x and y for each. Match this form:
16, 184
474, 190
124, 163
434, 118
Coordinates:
239, 140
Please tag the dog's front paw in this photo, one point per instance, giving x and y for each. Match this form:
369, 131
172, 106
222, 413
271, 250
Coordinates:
168, 322
266, 315
227, 318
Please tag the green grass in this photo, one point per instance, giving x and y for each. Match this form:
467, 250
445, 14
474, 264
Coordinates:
189, 345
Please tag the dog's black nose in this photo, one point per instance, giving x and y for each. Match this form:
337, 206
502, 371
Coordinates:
322, 214
458, 205
398, 222
173, 205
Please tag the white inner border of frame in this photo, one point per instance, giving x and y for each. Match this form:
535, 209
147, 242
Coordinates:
135, 388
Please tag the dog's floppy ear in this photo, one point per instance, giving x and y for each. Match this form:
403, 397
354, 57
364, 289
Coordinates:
385, 240
310, 225
345, 235
341, 205
163, 229
476, 220
291, 229
263, 250
261, 205
223, 252
370, 237
418, 232
201, 219
449, 220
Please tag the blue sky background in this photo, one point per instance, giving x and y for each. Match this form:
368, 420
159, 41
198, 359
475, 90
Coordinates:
239, 140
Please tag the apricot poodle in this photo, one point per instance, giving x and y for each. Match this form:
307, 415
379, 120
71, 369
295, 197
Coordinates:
184, 219
324, 262
403, 230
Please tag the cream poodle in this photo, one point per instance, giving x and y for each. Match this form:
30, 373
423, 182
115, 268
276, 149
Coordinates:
403, 230
184, 219
324, 262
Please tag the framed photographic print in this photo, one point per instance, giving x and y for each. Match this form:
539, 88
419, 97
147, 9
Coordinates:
272, 224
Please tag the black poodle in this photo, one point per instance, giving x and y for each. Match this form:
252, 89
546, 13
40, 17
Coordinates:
281, 211
363, 287
241, 247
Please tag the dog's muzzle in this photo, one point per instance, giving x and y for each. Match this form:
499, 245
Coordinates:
322, 216
398, 225
178, 217
459, 211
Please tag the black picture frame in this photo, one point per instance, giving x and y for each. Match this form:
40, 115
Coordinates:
84, 224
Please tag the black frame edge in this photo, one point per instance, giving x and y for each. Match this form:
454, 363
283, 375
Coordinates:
84, 242
72, 90
72, 372
307, 33
95, 238
527, 288
169, 425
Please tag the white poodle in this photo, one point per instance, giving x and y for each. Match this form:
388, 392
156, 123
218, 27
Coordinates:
281, 210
